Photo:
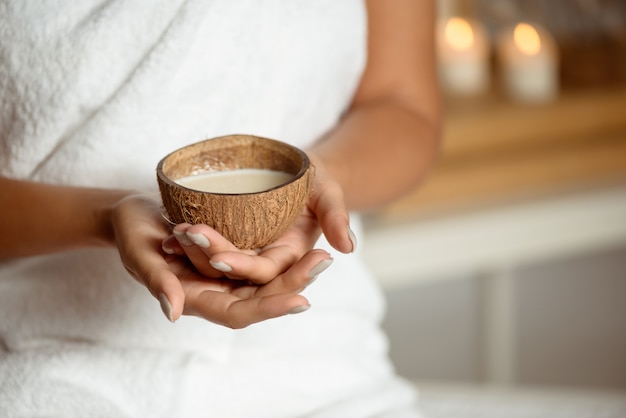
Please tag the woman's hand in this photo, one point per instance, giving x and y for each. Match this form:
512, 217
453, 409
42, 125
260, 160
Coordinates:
183, 288
237, 303
214, 256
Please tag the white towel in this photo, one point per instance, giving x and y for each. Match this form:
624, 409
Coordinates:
94, 93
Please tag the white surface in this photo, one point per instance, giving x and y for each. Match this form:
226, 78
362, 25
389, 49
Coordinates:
475, 401
485, 241
500, 331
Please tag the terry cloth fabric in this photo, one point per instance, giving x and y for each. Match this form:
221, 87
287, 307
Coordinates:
94, 93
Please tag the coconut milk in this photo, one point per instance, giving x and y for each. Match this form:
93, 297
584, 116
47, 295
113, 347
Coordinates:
246, 180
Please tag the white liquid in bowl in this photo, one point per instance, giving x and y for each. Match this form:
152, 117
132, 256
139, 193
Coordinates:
246, 180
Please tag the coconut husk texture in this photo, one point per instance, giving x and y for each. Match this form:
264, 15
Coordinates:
251, 220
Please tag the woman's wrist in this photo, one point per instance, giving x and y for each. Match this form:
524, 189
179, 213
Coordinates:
45, 218
103, 207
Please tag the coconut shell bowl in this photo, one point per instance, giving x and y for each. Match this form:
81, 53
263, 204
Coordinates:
250, 219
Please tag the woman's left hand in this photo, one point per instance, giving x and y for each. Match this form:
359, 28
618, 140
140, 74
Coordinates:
214, 256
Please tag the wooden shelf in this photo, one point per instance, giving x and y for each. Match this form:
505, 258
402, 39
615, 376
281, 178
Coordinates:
497, 151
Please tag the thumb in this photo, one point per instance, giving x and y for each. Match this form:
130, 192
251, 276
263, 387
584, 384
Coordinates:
170, 294
334, 219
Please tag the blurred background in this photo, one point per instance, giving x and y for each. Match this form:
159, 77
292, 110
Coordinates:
507, 268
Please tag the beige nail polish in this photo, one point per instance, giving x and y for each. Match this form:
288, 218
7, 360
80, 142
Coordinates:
320, 267
166, 307
352, 236
221, 266
298, 309
199, 239
182, 238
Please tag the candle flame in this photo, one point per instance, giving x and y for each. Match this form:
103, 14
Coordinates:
526, 39
459, 34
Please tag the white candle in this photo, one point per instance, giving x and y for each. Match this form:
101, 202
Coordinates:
463, 55
529, 63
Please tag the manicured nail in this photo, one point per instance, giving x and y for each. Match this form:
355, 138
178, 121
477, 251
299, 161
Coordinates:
221, 266
199, 239
319, 268
352, 238
167, 250
182, 238
166, 307
298, 309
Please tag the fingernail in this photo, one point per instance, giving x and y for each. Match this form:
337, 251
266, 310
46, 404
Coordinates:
166, 307
182, 238
199, 239
221, 266
167, 250
298, 309
319, 268
352, 238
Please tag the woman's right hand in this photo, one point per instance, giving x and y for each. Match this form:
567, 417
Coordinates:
46, 218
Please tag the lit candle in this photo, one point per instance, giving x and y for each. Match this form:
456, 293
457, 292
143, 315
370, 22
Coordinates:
463, 51
529, 63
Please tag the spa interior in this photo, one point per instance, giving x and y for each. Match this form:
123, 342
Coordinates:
505, 272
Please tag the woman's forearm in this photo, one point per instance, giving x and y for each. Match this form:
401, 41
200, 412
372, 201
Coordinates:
389, 137
379, 152
39, 218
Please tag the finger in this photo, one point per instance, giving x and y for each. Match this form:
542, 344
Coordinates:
250, 311
154, 272
142, 255
201, 242
299, 276
211, 240
170, 245
333, 216
170, 294
229, 310
259, 268
195, 247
